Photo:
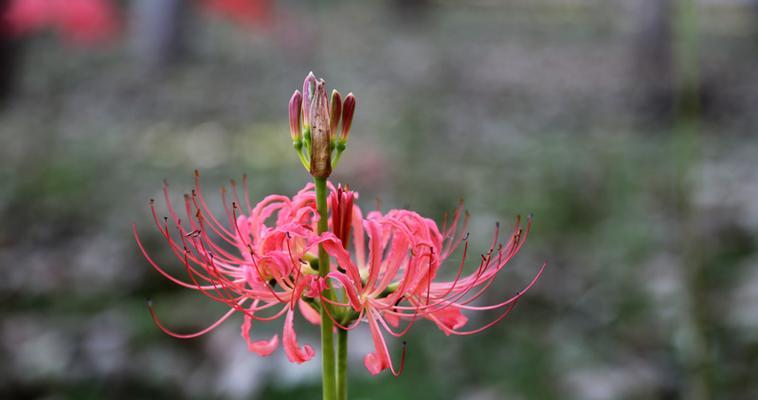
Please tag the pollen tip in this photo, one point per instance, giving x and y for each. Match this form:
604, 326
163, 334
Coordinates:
497, 224
149, 302
197, 173
531, 215
152, 201
165, 182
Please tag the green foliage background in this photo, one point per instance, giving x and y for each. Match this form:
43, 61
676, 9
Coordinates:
517, 107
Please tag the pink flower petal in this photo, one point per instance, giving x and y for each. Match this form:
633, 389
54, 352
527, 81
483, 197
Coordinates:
309, 313
448, 318
294, 353
262, 347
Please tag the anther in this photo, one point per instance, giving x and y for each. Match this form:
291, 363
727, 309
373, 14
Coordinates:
194, 233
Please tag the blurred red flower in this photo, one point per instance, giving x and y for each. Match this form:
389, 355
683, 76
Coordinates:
78, 21
249, 13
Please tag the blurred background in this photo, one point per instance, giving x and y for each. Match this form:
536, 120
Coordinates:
626, 126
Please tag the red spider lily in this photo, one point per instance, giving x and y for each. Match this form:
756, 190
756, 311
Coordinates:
249, 13
79, 21
265, 263
398, 280
252, 265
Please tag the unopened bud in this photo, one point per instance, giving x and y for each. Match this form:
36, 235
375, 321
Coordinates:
348, 109
296, 102
321, 148
309, 90
342, 213
335, 112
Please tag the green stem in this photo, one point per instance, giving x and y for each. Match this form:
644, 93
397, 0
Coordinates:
327, 327
341, 364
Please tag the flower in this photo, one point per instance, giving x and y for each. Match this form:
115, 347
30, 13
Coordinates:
248, 13
399, 277
265, 261
80, 21
269, 272
393, 274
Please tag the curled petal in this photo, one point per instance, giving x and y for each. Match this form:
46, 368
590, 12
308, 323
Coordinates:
391, 319
374, 364
262, 347
350, 290
380, 360
294, 353
448, 318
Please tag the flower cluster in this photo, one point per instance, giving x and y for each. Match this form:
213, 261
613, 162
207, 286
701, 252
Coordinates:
390, 269
314, 121
263, 263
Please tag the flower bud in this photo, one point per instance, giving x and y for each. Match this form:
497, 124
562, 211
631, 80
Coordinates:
309, 89
336, 110
296, 102
342, 213
348, 109
321, 146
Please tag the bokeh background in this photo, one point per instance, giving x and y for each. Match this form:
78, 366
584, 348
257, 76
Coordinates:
627, 127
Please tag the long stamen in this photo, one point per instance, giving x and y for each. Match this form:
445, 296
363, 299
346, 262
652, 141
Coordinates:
186, 335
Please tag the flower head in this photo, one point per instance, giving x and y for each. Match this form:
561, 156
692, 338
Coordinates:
390, 267
263, 278
400, 279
